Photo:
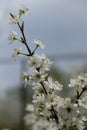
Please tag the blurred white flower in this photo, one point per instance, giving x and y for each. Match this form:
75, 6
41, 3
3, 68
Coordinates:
34, 61
29, 108
46, 63
26, 77
30, 118
38, 76
38, 43
13, 19
13, 36
54, 85
23, 11
17, 51
83, 102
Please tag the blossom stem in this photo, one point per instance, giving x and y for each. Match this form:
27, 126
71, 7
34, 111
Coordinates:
34, 50
79, 95
55, 114
53, 111
43, 87
24, 38
25, 54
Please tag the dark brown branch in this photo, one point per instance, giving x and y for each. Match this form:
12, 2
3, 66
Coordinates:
43, 87
80, 94
24, 39
55, 114
53, 111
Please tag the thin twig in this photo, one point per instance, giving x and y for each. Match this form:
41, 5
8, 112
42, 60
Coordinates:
24, 39
80, 94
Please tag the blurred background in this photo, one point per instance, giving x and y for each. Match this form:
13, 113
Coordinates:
62, 27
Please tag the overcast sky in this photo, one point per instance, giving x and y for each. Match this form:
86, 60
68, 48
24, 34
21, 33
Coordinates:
60, 24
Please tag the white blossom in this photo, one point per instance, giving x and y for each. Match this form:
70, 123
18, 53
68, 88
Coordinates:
75, 83
30, 118
36, 86
38, 43
13, 36
46, 63
41, 124
29, 108
80, 125
14, 19
34, 61
52, 99
23, 11
54, 85
83, 102
38, 98
17, 51
79, 82
26, 77
83, 79
52, 126
39, 76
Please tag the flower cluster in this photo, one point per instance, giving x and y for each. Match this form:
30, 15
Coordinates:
14, 19
36, 122
49, 110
